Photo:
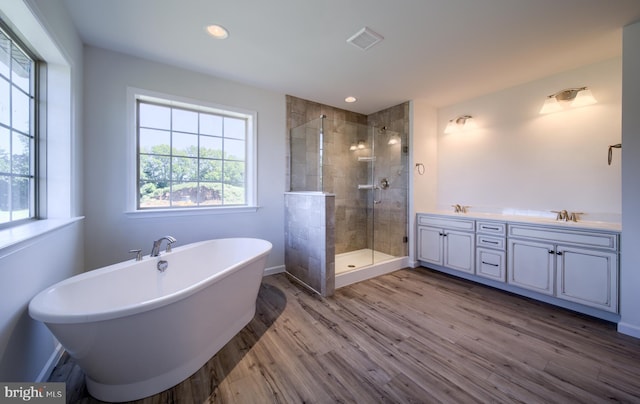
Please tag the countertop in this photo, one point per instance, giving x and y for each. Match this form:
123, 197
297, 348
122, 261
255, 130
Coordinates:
531, 219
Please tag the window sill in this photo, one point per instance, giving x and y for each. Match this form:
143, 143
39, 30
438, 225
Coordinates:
16, 238
190, 211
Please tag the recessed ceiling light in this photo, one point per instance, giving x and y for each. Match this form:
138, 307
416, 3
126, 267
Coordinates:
217, 31
350, 99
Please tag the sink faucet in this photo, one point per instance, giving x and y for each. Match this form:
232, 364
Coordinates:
155, 250
561, 215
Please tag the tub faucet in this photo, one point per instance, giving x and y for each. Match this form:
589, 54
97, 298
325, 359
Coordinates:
155, 250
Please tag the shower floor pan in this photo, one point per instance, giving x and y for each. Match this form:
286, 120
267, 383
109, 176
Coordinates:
356, 266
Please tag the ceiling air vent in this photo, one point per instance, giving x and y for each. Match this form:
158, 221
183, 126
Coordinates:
365, 38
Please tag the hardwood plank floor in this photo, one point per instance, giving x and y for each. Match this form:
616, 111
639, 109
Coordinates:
413, 336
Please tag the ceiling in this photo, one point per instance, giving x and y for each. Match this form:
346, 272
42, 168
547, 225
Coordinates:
440, 51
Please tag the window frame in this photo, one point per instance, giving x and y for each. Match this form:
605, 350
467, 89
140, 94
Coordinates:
36, 81
136, 95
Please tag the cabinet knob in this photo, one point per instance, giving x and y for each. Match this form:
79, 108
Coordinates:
551, 252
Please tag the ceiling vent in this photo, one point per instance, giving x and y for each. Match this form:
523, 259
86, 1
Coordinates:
365, 38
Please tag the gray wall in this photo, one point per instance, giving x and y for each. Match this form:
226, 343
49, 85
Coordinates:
630, 254
28, 267
110, 232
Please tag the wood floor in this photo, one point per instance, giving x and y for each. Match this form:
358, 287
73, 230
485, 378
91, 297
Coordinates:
414, 336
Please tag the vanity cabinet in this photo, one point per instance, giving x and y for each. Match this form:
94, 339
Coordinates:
447, 242
559, 263
578, 266
490, 250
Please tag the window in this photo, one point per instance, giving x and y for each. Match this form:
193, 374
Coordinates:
192, 156
17, 134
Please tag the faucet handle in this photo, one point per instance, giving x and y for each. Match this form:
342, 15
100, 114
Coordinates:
170, 241
574, 216
138, 253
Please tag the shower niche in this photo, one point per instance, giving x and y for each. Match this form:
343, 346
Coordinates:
346, 211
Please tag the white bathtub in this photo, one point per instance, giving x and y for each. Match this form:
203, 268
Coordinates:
136, 331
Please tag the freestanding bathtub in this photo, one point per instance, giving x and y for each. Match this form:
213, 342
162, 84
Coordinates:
136, 331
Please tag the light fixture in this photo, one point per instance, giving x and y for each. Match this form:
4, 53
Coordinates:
463, 122
353, 147
361, 144
217, 31
575, 97
350, 99
394, 139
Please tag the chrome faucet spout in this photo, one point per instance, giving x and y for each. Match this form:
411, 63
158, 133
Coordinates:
155, 250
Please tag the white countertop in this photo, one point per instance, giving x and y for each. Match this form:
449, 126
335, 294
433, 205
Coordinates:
531, 219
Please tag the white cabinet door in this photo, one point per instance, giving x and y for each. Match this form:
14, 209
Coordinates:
531, 265
430, 244
588, 277
459, 250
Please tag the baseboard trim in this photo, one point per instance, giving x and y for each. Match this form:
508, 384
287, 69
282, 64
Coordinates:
51, 364
274, 270
629, 329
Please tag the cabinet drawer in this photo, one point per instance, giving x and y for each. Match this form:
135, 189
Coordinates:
577, 237
447, 223
490, 242
497, 228
491, 264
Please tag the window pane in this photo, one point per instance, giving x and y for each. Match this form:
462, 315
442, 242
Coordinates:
151, 196
5, 51
20, 69
210, 194
185, 144
5, 103
234, 173
184, 194
210, 170
235, 128
154, 141
5, 151
20, 198
210, 124
234, 149
5, 213
155, 169
20, 154
185, 121
210, 147
155, 116
201, 162
21, 110
184, 169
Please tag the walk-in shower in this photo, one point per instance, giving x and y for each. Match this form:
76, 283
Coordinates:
351, 180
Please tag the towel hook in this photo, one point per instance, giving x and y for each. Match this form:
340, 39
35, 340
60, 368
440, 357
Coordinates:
611, 147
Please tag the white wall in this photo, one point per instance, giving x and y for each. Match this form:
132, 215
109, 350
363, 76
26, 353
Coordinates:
519, 159
630, 253
423, 139
110, 233
30, 266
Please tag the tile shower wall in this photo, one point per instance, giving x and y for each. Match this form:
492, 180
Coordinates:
309, 245
342, 171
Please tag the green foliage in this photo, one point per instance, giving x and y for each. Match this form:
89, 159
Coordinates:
178, 177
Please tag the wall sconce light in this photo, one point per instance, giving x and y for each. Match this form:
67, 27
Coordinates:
464, 122
394, 139
577, 97
355, 146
